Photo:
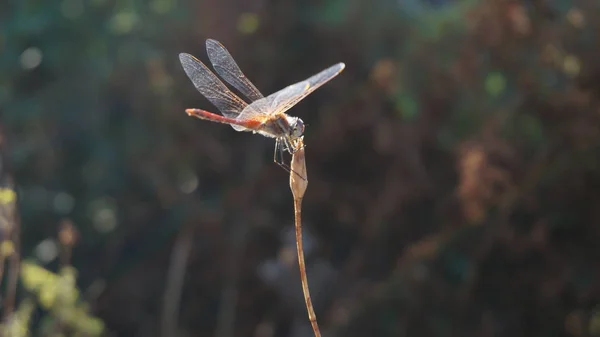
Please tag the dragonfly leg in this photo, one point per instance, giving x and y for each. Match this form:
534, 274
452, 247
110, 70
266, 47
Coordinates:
289, 146
279, 159
279, 150
279, 145
275, 150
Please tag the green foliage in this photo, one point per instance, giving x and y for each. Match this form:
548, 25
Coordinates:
19, 324
58, 295
495, 84
407, 106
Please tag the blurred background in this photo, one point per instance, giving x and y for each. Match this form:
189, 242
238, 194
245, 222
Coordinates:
453, 168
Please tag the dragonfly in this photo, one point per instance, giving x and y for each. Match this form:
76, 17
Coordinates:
257, 114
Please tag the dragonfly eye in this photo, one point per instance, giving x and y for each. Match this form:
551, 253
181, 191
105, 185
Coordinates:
298, 129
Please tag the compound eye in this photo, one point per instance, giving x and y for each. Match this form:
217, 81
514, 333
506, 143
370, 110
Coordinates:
299, 127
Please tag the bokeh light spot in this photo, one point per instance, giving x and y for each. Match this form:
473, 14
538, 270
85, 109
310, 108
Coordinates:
7, 248
47, 250
188, 181
495, 83
576, 18
248, 23
407, 106
571, 65
31, 58
123, 22
103, 212
105, 220
63, 203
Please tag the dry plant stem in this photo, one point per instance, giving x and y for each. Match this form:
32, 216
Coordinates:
298, 184
309, 307
229, 296
175, 278
237, 241
2, 262
65, 256
11, 231
13, 271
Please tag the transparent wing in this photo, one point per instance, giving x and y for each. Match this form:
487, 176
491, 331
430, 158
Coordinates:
287, 97
209, 85
254, 112
226, 67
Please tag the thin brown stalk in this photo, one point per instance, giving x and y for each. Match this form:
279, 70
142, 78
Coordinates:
175, 279
10, 243
67, 236
10, 224
14, 267
298, 185
2, 262
237, 242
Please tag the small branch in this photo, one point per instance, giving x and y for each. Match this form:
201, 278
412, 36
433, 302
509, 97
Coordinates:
9, 231
229, 296
298, 185
237, 242
175, 279
312, 317
13, 270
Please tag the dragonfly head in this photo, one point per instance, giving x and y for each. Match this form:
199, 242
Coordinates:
297, 127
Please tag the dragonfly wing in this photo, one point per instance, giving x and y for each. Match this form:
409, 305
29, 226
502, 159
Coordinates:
289, 96
209, 85
226, 67
257, 112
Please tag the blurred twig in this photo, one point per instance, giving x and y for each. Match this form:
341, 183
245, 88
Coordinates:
67, 236
229, 295
9, 243
175, 278
13, 270
298, 184
237, 243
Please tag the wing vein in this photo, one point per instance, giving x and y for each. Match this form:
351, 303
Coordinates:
209, 85
227, 68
